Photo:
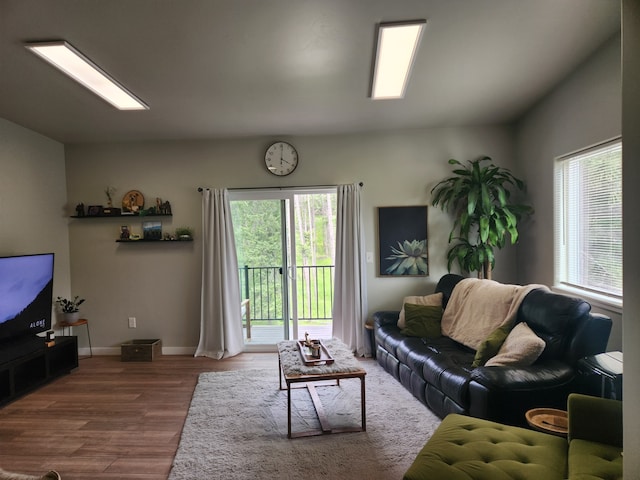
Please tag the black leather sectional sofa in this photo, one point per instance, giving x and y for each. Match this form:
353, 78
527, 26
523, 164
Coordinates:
439, 372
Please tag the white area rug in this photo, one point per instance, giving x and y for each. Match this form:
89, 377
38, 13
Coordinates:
237, 429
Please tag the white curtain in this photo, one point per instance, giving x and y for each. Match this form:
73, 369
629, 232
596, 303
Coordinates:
221, 319
350, 298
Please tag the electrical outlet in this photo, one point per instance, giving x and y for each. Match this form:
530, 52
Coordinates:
132, 322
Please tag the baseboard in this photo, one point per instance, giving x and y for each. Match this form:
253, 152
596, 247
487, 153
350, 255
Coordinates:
85, 352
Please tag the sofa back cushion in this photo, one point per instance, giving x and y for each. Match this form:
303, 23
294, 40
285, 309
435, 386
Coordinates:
446, 284
477, 307
554, 318
566, 325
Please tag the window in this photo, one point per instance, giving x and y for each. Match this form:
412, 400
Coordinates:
588, 230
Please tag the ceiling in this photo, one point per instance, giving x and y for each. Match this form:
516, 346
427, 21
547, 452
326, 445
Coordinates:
230, 68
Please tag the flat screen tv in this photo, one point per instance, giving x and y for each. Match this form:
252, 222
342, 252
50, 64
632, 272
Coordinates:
26, 295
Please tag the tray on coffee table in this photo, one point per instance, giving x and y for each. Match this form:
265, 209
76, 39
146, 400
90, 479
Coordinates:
307, 357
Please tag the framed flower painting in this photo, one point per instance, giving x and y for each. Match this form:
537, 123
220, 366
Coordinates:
402, 241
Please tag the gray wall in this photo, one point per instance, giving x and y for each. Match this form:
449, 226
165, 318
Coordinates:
631, 198
32, 199
583, 110
159, 284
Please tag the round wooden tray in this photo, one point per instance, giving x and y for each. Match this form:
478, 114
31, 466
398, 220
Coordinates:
548, 420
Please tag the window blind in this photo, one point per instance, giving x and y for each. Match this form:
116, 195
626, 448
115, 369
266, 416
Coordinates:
588, 224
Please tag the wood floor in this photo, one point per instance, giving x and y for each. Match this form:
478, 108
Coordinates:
108, 419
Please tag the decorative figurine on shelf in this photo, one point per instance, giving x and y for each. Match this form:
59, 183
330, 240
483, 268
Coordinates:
133, 201
80, 210
109, 191
124, 232
163, 208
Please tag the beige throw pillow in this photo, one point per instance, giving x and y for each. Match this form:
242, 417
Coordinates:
433, 300
522, 347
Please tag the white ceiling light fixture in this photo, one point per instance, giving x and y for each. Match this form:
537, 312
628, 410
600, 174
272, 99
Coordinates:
395, 53
66, 58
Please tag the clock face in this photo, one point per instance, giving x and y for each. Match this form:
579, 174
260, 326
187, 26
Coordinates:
281, 158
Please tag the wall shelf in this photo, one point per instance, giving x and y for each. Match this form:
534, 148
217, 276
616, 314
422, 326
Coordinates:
124, 216
143, 240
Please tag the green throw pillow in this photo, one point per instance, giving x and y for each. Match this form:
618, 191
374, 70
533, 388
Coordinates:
491, 345
422, 320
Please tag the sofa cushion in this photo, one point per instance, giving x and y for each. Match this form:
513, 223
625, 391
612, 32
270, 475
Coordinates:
554, 318
422, 320
490, 346
412, 351
542, 377
464, 447
447, 367
591, 460
435, 300
522, 347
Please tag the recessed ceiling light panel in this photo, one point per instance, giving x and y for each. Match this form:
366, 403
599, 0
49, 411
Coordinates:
66, 58
395, 53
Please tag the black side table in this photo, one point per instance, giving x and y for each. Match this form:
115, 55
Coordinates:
606, 370
368, 325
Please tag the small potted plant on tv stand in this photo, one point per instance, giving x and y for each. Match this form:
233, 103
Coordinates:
70, 308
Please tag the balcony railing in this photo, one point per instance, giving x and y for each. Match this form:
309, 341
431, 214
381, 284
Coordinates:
263, 286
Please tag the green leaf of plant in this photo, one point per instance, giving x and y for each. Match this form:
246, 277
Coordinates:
471, 201
501, 195
484, 229
486, 198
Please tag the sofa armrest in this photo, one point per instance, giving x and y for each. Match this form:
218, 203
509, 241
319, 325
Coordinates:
589, 338
386, 317
595, 419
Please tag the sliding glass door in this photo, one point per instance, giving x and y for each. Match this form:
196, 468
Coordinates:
285, 241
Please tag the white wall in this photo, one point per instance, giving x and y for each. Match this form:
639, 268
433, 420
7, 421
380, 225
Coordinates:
159, 283
33, 198
583, 110
631, 198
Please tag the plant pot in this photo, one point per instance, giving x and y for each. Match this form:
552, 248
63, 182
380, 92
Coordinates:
71, 317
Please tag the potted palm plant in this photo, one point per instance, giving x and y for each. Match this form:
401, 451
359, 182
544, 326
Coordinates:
70, 308
479, 197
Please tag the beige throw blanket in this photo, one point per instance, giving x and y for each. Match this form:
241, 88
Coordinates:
477, 307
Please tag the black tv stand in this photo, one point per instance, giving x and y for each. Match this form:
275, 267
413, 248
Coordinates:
28, 364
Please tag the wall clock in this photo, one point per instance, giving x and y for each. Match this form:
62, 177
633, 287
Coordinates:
281, 158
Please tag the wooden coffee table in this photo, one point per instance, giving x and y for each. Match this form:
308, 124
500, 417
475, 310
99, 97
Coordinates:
294, 371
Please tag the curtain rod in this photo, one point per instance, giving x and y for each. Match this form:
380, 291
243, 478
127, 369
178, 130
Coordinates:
200, 189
